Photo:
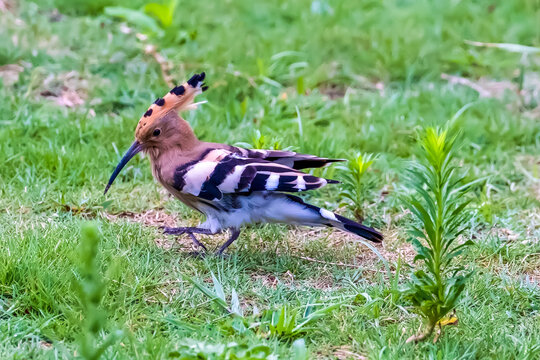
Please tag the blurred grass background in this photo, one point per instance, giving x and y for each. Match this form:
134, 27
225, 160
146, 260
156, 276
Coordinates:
330, 78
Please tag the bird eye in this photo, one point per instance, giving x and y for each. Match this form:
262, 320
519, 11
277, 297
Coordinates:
156, 132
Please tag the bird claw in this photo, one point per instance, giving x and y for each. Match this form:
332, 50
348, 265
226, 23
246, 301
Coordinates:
198, 243
182, 231
198, 254
221, 254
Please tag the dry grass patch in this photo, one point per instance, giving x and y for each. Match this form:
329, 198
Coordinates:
324, 282
523, 98
66, 89
345, 249
10, 73
155, 219
345, 352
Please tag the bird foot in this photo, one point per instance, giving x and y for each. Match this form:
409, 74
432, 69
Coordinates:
191, 231
198, 254
234, 235
221, 255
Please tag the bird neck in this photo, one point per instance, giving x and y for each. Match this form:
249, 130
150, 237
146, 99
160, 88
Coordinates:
187, 139
164, 163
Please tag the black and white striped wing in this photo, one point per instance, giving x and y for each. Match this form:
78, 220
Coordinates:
289, 158
234, 174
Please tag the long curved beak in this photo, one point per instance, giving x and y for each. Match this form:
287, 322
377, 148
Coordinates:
135, 148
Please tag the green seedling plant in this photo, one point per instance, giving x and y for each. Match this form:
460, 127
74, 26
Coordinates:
357, 184
286, 323
261, 141
236, 321
199, 350
439, 208
196, 350
164, 12
289, 323
90, 289
217, 295
145, 18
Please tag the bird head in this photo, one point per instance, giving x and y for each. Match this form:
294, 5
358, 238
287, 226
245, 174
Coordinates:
160, 127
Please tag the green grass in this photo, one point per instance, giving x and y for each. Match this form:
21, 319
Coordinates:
269, 67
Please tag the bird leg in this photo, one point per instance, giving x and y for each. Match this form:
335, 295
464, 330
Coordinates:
191, 231
234, 235
186, 230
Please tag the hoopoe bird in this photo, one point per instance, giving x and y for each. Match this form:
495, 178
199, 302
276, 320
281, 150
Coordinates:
231, 186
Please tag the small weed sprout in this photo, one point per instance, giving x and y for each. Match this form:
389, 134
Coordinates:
287, 323
217, 295
90, 289
260, 141
439, 205
357, 182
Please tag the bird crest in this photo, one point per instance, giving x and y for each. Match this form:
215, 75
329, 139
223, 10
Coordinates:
178, 99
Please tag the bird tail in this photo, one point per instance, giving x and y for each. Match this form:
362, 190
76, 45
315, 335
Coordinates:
349, 225
328, 218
